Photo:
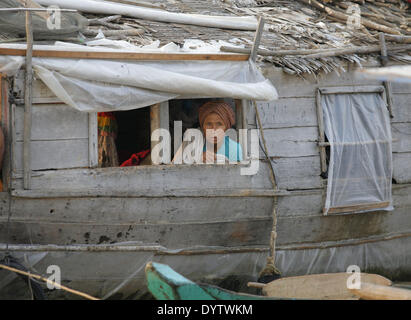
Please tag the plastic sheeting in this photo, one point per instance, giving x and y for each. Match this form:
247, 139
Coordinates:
360, 168
13, 23
105, 85
394, 73
120, 275
106, 7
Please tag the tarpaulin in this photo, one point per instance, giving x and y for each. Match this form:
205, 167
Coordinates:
93, 85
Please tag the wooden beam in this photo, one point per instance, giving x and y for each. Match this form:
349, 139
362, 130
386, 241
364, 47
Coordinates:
360, 207
318, 53
257, 38
241, 122
5, 126
93, 140
28, 103
352, 89
124, 55
159, 118
399, 39
321, 134
387, 85
196, 193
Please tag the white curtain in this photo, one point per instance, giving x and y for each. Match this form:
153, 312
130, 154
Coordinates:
360, 166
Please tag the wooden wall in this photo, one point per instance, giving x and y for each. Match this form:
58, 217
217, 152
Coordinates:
60, 134
183, 206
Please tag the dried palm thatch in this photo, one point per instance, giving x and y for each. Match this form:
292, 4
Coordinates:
290, 25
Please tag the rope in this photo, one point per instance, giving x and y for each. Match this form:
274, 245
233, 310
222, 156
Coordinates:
55, 284
35, 289
270, 268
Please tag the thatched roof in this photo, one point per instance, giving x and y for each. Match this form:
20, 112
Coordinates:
290, 24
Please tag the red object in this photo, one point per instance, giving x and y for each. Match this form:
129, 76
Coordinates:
135, 159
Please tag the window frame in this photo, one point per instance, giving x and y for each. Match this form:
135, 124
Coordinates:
322, 144
159, 118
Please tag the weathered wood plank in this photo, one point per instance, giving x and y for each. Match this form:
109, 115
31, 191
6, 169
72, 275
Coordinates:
305, 86
401, 107
152, 179
54, 154
4, 204
312, 204
285, 112
292, 142
53, 122
401, 134
401, 167
342, 227
300, 112
249, 232
173, 209
173, 236
143, 210
289, 142
293, 173
298, 173
401, 87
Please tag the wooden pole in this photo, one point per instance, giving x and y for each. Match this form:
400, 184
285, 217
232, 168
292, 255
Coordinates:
125, 55
321, 134
159, 119
270, 268
387, 85
318, 53
28, 103
56, 285
257, 38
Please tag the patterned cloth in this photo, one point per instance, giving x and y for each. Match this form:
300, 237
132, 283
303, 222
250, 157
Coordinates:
107, 133
221, 108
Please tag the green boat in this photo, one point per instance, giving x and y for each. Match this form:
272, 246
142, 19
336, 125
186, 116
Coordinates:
166, 284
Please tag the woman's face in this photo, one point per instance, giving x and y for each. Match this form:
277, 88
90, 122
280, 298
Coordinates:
214, 128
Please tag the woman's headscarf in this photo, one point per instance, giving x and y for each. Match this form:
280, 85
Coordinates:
221, 108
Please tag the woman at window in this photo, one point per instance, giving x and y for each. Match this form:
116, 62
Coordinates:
215, 118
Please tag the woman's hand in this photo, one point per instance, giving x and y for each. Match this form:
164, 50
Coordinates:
209, 157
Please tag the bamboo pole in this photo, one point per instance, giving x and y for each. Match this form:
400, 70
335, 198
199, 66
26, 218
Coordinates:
55, 284
318, 53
